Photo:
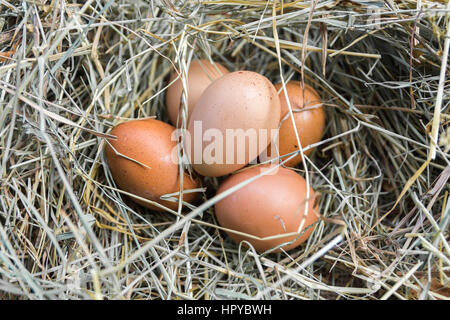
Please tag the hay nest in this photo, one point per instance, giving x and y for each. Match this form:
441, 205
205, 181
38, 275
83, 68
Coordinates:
71, 70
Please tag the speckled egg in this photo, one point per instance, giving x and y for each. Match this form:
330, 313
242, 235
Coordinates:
309, 118
232, 123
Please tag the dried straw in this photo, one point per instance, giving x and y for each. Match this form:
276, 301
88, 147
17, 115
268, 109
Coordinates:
71, 70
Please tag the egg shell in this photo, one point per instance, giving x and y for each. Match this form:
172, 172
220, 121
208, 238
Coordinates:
244, 101
148, 141
201, 74
310, 123
435, 286
270, 205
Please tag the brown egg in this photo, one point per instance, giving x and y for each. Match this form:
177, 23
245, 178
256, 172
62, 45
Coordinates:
271, 205
200, 75
310, 123
435, 287
147, 141
232, 123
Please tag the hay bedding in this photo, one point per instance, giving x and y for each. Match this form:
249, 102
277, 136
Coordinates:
70, 70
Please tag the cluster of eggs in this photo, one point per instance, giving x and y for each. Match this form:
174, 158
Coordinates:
274, 210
